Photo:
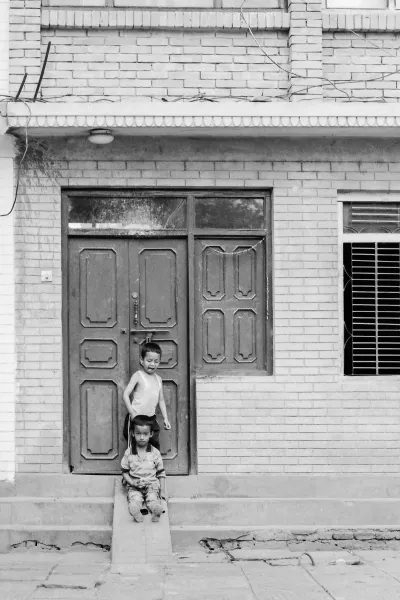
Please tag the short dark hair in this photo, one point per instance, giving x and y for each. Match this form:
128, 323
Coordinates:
149, 347
141, 421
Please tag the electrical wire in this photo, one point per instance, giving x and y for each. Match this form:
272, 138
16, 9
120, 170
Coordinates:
20, 162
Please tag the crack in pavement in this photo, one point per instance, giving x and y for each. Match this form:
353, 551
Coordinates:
318, 583
249, 583
373, 565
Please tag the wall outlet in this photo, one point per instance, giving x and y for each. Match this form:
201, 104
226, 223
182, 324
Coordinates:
47, 275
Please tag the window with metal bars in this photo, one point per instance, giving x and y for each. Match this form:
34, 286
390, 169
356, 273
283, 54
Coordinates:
371, 308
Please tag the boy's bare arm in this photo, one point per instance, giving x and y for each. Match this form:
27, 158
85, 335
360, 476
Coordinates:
128, 478
163, 493
127, 392
163, 410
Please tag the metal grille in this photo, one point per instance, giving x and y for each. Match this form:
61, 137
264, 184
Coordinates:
371, 217
372, 308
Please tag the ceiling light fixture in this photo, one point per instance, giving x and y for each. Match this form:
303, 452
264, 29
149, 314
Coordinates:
100, 136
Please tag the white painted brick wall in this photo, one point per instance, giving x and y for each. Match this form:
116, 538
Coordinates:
306, 417
362, 65
24, 44
125, 64
7, 315
305, 44
4, 46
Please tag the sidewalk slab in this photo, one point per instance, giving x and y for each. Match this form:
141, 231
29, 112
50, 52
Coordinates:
138, 543
16, 591
388, 562
282, 583
86, 575
206, 582
352, 582
144, 582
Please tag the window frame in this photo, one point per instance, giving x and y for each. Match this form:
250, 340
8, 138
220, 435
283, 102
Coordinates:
346, 237
191, 233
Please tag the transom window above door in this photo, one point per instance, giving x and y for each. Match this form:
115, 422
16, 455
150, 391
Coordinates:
144, 212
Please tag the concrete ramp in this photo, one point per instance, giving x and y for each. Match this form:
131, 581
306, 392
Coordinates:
137, 543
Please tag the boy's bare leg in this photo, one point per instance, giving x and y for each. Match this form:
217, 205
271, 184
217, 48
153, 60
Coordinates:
135, 503
154, 504
156, 513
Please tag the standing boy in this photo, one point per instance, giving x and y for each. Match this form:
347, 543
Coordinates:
147, 390
143, 471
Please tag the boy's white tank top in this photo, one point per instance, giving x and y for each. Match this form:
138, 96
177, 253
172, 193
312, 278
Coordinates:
146, 402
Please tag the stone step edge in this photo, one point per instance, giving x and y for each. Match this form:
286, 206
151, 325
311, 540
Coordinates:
265, 500
57, 499
27, 527
292, 528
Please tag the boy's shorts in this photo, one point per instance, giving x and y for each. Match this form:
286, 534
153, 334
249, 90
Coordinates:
152, 421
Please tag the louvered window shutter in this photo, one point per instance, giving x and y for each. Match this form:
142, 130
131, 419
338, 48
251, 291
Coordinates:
371, 308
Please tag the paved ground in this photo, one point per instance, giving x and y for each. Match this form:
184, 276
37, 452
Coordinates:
243, 575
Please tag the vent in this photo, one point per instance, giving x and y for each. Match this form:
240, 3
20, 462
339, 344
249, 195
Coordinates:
371, 217
372, 308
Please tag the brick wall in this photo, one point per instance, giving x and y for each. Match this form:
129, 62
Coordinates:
39, 339
306, 417
24, 55
4, 45
7, 314
362, 63
125, 64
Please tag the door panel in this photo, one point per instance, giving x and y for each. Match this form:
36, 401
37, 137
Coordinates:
159, 282
230, 317
98, 351
103, 275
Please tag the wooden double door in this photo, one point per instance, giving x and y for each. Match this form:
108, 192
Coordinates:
122, 292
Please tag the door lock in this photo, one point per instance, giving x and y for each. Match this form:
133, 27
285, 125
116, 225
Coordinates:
135, 308
123, 330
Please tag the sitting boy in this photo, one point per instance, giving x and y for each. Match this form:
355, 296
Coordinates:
143, 471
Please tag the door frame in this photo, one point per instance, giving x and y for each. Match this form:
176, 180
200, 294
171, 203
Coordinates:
191, 235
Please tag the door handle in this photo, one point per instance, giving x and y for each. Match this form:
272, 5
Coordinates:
135, 297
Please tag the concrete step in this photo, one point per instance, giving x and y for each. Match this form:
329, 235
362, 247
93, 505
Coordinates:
281, 512
54, 537
27, 511
284, 486
65, 485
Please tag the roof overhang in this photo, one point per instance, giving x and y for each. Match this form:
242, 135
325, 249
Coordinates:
204, 118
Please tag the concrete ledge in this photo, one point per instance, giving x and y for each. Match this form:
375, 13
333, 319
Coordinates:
137, 543
121, 18
307, 118
384, 21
